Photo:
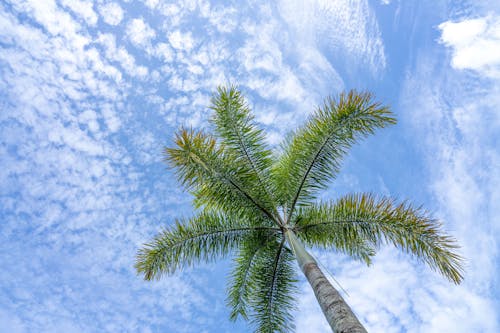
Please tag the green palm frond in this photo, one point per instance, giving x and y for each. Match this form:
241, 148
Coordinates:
241, 276
239, 134
272, 289
378, 221
205, 237
313, 232
312, 156
216, 178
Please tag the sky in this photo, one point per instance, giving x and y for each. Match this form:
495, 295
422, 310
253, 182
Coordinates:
91, 92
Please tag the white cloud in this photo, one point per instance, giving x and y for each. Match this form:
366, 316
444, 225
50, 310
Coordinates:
222, 17
84, 9
152, 4
475, 44
172, 14
101, 66
140, 33
455, 120
121, 55
394, 296
164, 52
88, 205
262, 58
294, 87
181, 41
51, 17
111, 13
70, 185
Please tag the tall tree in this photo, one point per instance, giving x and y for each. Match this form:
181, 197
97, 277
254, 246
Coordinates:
263, 207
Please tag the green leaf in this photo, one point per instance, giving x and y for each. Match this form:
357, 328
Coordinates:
379, 221
216, 178
205, 237
273, 289
313, 232
241, 276
311, 157
240, 136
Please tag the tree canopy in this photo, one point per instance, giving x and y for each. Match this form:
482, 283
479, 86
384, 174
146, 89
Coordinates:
247, 197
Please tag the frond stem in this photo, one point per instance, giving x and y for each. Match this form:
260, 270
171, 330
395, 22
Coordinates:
252, 163
369, 221
224, 177
275, 273
309, 168
220, 231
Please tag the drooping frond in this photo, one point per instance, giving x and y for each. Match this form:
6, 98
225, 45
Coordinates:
239, 134
241, 277
217, 179
272, 289
313, 154
205, 237
378, 221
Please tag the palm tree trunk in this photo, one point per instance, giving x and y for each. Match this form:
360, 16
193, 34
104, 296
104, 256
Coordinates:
338, 314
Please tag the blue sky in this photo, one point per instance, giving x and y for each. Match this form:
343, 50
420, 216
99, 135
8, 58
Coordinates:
90, 92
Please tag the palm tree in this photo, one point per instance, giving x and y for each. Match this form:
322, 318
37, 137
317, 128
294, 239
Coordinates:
262, 206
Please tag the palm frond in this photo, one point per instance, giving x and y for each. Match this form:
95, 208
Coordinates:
334, 236
272, 289
313, 154
240, 135
216, 178
205, 237
379, 221
241, 277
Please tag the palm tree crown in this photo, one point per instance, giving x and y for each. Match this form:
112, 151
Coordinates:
262, 206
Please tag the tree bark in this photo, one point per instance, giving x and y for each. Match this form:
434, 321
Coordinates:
338, 314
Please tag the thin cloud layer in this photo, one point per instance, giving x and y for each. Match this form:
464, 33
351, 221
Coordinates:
338, 25
456, 114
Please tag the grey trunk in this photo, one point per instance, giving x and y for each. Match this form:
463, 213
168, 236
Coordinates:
338, 314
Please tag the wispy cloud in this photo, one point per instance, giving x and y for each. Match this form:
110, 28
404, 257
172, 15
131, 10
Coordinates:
79, 133
120, 55
83, 9
69, 193
455, 115
346, 29
91, 91
455, 121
